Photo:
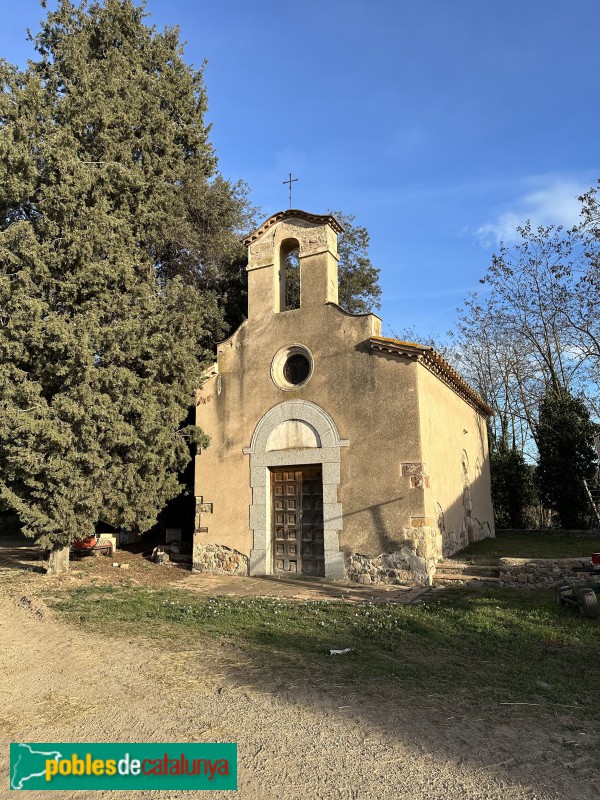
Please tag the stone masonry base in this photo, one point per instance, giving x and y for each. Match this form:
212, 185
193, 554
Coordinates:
413, 562
218, 560
391, 568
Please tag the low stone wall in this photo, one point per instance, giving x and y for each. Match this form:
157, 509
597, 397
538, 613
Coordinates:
218, 560
568, 534
532, 573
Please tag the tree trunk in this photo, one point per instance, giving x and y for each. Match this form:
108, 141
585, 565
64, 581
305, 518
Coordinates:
58, 562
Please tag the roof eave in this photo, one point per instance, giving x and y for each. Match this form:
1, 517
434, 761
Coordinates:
436, 364
319, 219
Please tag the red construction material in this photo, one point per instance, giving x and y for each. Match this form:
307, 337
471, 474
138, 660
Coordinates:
84, 544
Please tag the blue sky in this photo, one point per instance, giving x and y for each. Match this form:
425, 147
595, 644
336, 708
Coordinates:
440, 125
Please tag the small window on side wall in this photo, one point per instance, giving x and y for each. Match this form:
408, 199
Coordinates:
290, 275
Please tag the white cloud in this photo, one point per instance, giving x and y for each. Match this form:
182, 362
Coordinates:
554, 203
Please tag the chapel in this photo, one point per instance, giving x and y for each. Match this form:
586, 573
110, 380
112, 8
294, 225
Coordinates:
335, 451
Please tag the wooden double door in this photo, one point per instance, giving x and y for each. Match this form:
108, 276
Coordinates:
297, 520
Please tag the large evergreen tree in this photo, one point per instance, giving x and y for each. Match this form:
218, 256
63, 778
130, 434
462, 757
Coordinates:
359, 290
512, 487
105, 170
565, 436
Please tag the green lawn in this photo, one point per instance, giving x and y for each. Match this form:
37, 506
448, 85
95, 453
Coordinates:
479, 649
550, 545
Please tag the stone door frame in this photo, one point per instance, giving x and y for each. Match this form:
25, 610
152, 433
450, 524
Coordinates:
261, 459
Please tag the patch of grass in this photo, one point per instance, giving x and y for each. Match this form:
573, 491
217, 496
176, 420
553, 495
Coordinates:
551, 545
504, 646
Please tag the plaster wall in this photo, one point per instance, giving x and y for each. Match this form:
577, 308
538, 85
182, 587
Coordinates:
387, 432
371, 398
451, 430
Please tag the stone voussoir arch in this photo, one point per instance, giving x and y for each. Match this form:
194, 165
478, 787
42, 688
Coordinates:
262, 458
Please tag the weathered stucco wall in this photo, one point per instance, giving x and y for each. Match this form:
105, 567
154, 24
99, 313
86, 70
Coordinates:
393, 430
455, 452
371, 398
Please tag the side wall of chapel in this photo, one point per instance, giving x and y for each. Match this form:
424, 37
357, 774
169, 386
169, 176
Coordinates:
455, 452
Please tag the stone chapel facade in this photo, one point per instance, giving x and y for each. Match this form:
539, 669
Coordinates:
334, 451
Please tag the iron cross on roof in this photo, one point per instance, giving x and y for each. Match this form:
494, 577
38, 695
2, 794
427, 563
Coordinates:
290, 180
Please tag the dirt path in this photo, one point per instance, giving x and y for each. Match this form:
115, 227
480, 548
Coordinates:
59, 684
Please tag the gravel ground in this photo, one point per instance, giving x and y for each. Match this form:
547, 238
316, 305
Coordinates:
60, 684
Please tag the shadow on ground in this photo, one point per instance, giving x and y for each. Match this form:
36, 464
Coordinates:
445, 743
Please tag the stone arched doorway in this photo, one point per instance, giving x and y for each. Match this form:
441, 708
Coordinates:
292, 436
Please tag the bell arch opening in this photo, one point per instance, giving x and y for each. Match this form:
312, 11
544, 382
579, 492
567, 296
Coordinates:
289, 275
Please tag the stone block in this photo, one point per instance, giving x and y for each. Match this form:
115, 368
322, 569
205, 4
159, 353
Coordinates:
421, 522
334, 564
412, 468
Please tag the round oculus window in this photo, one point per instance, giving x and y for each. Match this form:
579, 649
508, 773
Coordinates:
296, 369
292, 367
